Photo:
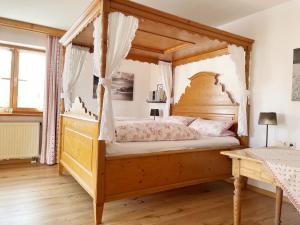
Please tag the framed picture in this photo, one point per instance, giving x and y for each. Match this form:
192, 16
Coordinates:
296, 76
122, 86
95, 86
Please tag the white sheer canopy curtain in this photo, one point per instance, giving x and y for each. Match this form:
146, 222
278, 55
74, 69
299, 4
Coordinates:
166, 72
75, 57
97, 56
121, 32
97, 46
237, 55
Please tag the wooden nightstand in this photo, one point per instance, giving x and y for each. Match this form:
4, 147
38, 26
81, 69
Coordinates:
245, 165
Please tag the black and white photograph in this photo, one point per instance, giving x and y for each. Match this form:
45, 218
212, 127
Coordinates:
296, 76
95, 86
122, 86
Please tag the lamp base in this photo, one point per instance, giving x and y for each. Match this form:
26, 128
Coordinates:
267, 136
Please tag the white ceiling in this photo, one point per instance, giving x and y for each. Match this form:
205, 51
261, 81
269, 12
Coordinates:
63, 13
211, 12
53, 13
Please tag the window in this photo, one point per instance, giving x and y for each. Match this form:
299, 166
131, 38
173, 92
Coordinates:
22, 79
5, 76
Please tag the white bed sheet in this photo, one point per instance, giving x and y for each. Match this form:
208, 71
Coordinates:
127, 148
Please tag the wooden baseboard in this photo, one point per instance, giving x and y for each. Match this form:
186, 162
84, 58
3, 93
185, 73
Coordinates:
15, 161
260, 191
265, 192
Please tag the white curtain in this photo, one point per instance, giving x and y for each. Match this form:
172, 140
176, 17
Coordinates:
97, 35
238, 56
121, 32
166, 72
74, 60
97, 56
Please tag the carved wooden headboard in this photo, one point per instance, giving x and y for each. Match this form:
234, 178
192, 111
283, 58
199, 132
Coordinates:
208, 99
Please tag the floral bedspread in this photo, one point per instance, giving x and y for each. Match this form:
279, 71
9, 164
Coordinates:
150, 130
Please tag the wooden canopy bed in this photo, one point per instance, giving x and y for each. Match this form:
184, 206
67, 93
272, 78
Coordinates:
160, 36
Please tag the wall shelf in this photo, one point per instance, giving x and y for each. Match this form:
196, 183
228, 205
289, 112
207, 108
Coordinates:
148, 101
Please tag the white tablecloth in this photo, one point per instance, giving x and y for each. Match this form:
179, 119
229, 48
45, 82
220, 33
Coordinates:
285, 167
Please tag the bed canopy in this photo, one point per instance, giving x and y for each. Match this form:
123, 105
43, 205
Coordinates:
120, 29
136, 32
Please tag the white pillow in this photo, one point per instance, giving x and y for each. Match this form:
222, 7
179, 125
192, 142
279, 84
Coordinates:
211, 127
228, 133
184, 120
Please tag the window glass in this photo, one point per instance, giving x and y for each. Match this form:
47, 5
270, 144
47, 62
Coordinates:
5, 76
31, 79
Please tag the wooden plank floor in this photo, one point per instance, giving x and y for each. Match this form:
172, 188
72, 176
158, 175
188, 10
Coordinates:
36, 195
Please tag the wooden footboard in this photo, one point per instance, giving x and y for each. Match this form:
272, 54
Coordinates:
133, 175
108, 178
79, 149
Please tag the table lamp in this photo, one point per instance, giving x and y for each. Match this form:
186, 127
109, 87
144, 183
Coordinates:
154, 113
267, 118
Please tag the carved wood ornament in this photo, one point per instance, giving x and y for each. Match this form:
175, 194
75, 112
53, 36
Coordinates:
207, 98
78, 109
205, 89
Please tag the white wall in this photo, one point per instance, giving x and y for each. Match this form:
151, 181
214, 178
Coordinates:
138, 108
155, 79
146, 77
222, 65
276, 34
22, 37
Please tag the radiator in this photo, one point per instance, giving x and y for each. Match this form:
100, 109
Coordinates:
19, 140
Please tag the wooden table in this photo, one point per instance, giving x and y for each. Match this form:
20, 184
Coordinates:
245, 165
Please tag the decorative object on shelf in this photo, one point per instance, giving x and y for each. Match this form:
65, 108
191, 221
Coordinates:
154, 113
296, 76
267, 118
157, 96
122, 86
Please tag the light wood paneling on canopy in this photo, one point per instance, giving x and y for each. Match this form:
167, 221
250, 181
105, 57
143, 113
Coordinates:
156, 41
160, 36
85, 38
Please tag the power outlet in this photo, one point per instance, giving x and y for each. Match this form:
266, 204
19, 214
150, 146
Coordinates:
287, 144
292, 145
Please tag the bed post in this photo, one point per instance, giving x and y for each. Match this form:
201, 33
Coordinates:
172, 102
99, 189
247, 74
245, 140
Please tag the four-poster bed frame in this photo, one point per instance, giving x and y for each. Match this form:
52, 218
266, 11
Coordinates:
165, 37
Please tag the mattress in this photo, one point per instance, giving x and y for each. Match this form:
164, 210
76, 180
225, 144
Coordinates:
128, 148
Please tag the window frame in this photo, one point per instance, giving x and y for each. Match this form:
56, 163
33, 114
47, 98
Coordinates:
14, 81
